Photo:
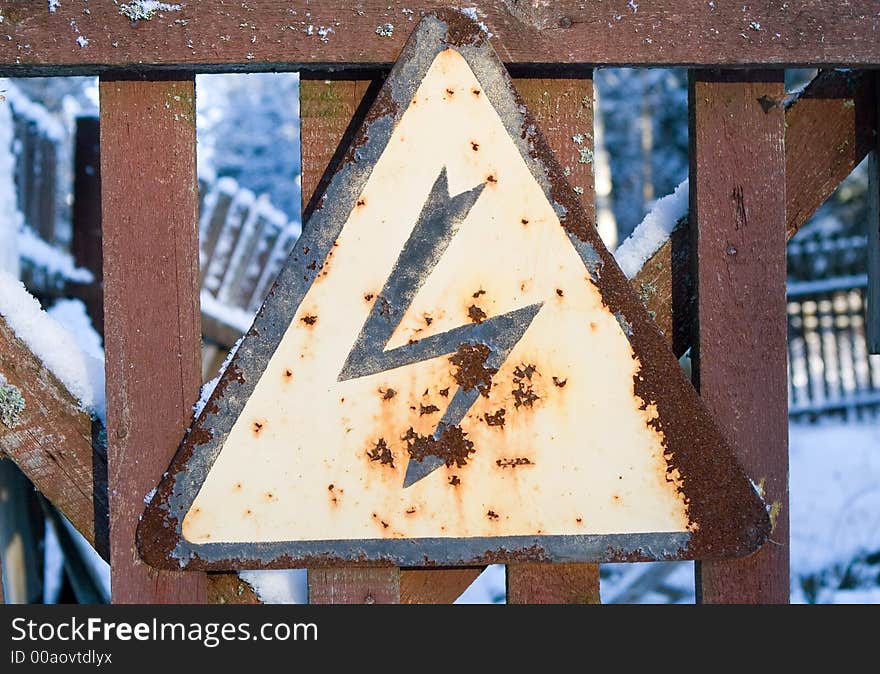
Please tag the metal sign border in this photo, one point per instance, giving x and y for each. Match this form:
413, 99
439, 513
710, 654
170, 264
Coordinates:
730, 517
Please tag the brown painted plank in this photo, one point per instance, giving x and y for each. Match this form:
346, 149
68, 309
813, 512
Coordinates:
350, 585
329, 113
52, 444
738, 208
264, 34
563, 109
150, 202
830, 129
86, 243
872, 225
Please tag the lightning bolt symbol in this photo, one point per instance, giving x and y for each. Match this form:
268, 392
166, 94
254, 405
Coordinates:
435, 228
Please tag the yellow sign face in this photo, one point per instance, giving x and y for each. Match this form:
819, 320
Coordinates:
454, 371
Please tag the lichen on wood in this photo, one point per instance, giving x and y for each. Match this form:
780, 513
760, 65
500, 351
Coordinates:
12, 404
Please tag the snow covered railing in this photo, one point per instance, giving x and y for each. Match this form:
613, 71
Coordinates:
243, 242
36, 138
830, 370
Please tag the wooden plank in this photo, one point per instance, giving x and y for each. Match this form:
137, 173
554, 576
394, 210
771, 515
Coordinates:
268, 34
148, 142
329, 113
563, 110
86, 243
872, 225
351, 585
53, 443
830, 130
738, 206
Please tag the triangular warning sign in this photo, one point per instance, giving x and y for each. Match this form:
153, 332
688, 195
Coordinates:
451, 369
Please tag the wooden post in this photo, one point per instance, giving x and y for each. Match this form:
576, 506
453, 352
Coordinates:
737, 131
563, 109
151, 256
873, 232
86, 244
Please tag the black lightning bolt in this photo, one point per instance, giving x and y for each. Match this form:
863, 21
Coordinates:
436, 227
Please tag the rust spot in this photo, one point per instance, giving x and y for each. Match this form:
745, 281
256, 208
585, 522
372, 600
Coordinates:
309, 319
470, 359
237, 486
452, 446
388, 393
559, 292
330, 487
513, 463
475, 92
578, 519
428, 409
444, 392
361, 202
559, 382
454, 481
524, 395
305, 250
313, 265
288, 374
524, 221
476, 314
492, 515
425, 393
411, 510
475, 146
248, 512
270, 496
381, 453
428, 319
495, 419
258, 426
478, 293
450, 92
594, 326
369, 297
491, 178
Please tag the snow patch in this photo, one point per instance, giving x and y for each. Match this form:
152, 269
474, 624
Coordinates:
53, 5
278, 587
653, 231
80, 372
385, 30
835, 495
143, 10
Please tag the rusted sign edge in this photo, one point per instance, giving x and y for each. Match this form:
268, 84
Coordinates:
729, 516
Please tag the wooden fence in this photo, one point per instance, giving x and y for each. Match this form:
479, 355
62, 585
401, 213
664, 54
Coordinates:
759, 168
830, 369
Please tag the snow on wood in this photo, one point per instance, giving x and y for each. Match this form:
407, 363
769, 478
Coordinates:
653, 231
80, 372
24, 107
52, 260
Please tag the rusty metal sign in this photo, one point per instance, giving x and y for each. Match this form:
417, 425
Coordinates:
451, 369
